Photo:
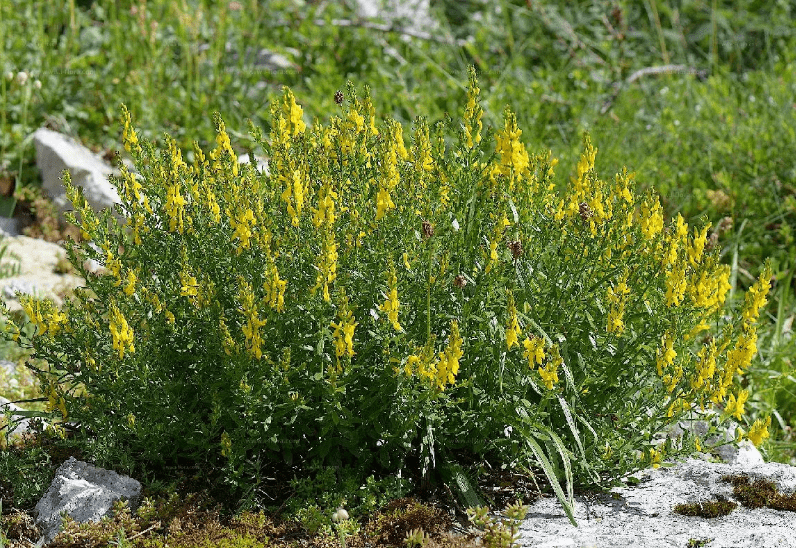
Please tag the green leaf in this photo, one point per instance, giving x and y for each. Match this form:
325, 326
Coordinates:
453, 475
547, 468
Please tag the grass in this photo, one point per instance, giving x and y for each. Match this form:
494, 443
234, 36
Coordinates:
714, 135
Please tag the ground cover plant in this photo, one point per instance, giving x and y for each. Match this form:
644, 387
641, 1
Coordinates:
368, 305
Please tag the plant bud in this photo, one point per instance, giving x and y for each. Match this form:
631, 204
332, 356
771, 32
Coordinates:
585, 211
516, 249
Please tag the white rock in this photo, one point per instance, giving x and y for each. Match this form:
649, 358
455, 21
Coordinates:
415, 13
643, 515
85, 493
37, 262
56, 152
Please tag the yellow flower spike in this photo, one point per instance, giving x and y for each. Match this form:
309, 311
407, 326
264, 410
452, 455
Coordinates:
189, 287
129, 136
512, 327
242, 224
448, 364
735, 406
473, 111
392, 304
696, 247
534, 350
513, 156
676, 285
129, 288
249, 309
759, 431
651, 217
327, 267
665, 353
755, 297
175, 208
121, 333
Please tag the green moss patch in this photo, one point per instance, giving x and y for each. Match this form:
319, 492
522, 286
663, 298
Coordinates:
707, 509
760, 494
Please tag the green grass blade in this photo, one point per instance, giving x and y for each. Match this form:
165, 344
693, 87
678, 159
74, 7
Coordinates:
551, 477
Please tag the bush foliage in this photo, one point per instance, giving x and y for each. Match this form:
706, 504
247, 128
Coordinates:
370, 303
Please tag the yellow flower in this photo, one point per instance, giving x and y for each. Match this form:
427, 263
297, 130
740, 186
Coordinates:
293, 196
251, 331
129, 289
513, 328
448, 364
656, 455
651, 218
189, 287
697, 246
549, 372
755, 297
534, 350
327, 269
676, 285
735, 406
705, 365
513, 156
383, 203
243, 224
175, 205
391, 305
759, 431
666, 354
293, 113
344, 331
473, 111
121, 332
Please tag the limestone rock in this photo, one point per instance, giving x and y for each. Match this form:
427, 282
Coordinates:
38, 265
56, 152
415, 14
85, 493
643, 515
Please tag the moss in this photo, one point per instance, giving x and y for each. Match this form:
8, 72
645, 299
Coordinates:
760, 494
707, 509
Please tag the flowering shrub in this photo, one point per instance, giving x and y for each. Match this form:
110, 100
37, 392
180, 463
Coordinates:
366, 303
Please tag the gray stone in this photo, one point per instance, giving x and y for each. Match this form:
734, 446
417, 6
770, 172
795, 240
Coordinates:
37, 274
414, 14
8, 410
55, 153
10, 226
85, 493
643, 515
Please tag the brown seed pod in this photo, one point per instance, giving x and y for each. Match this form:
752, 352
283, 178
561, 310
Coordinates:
338, 97
428, 229
460, 282
585, 211
516, 249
